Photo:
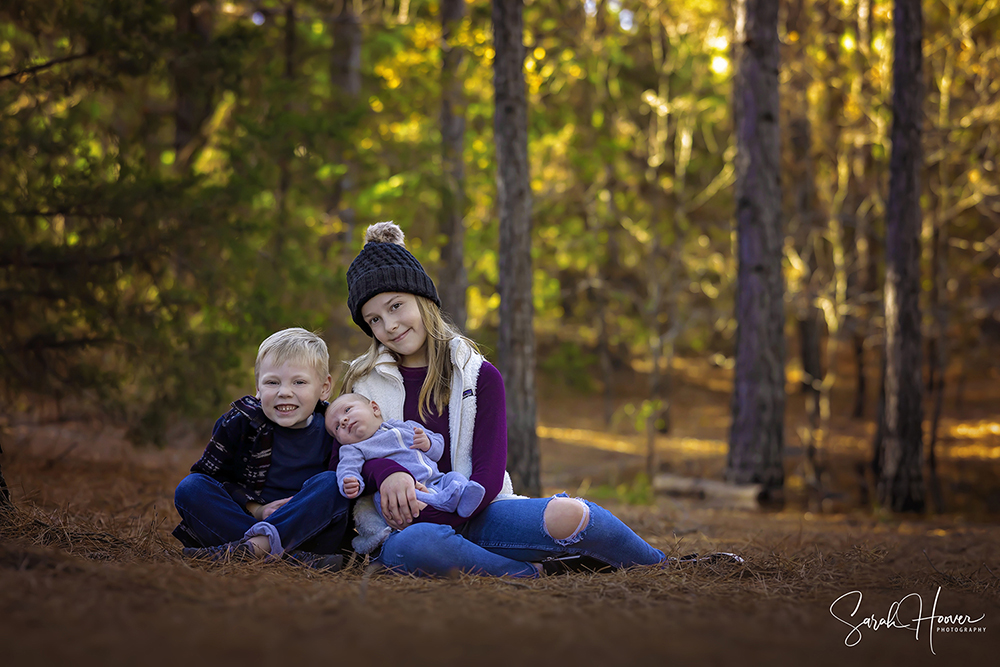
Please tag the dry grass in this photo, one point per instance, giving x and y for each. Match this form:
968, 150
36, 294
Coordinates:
90, 574
102, 581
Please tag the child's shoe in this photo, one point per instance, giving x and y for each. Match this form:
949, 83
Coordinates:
717, 558
240, 550
323, 562
566, 564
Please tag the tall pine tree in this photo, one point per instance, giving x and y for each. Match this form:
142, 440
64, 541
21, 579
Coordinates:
901, 484
757, 436
517, 338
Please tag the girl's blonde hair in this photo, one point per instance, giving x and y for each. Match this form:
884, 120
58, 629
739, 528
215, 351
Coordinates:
436, 390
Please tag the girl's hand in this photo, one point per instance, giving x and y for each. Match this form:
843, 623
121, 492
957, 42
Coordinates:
420, 440
399, 500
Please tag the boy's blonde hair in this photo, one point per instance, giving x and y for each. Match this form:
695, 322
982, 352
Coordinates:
436, 390
296, 345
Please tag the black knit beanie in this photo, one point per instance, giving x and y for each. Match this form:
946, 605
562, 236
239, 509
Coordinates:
385, 265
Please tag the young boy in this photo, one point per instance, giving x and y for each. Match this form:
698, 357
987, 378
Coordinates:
263, 486
357, 424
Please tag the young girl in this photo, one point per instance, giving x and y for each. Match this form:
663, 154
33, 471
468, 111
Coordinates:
420, 368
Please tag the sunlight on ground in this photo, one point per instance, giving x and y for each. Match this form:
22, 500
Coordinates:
610, 443
981, 429
838, 443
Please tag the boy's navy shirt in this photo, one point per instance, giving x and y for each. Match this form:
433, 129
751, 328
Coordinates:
239, 455
296, 455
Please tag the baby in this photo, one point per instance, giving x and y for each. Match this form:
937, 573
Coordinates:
357, 424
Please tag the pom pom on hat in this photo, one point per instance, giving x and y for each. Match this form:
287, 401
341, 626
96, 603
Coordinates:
385, 265
385, 232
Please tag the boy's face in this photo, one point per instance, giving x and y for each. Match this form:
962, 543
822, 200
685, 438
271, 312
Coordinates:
289, 392
351, 419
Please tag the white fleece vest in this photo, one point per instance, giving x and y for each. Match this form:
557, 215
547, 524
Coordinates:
385, 386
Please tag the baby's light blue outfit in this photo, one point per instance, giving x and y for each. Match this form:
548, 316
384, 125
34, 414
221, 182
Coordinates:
448, 492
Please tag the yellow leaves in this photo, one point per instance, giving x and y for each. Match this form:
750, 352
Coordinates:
656, 103
533, 81
384, 188
392, 79
375, 104
424, 37
480, 306
638, 232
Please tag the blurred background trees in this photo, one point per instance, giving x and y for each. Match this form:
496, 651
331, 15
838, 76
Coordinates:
180, 178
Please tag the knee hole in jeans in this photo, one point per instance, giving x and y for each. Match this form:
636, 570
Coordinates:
565, 519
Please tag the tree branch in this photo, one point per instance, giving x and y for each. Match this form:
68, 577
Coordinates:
51, 63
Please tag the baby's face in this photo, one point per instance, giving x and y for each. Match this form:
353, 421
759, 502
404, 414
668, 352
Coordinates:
352, 418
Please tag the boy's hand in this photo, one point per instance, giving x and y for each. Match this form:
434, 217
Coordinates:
352, 487
262, 512
420, 440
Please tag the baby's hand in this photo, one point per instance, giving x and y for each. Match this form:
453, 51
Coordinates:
352, 487
420, 440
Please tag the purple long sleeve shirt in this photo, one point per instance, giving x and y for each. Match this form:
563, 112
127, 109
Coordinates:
489, 440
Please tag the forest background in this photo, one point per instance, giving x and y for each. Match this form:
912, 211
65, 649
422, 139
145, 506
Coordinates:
179, 179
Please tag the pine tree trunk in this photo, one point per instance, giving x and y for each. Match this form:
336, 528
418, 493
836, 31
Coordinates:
866, 277
345, 77
454, 279
516, 337
757, 437
901, 484
284, 162
5, 502
193, 95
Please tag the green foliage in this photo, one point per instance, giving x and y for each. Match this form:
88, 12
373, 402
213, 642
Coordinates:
640, 413
177, 184
571, 364
638, 491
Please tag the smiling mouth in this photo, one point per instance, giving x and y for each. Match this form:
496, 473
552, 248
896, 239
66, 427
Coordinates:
400, 336
286, 408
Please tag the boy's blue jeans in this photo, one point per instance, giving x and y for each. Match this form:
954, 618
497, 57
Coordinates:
507, 537
315, 519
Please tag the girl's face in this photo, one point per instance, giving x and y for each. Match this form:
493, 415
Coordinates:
395, 320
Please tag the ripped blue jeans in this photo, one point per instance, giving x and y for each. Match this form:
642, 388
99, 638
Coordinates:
510, 535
